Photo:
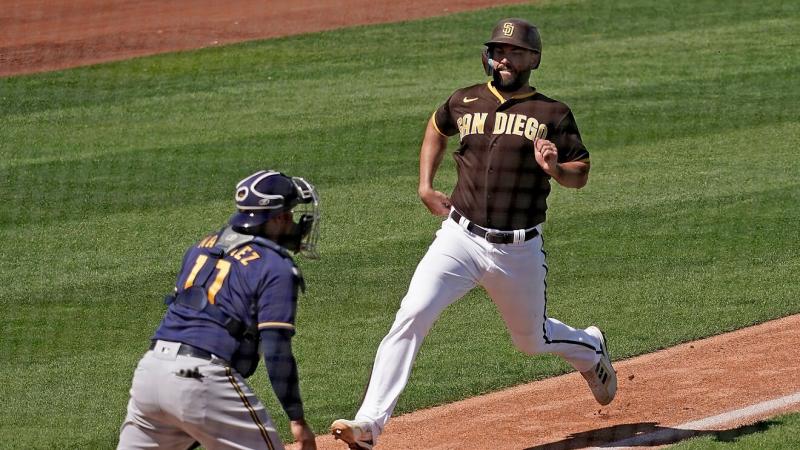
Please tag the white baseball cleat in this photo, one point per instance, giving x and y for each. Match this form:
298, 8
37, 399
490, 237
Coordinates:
602, 378
358, 435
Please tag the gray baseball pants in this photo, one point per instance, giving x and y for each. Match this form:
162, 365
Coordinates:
216, 407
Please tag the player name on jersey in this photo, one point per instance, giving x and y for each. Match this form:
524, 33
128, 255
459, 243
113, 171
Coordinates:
518, 124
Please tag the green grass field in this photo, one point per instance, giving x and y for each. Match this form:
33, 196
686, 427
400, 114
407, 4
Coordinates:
688, 227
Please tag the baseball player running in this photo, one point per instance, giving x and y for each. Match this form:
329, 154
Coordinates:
513, 140
235, 297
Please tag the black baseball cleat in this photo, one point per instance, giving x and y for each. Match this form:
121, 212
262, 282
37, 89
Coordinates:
357, 435
602, 378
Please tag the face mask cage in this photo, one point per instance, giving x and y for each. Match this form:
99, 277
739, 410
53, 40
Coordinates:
307, 210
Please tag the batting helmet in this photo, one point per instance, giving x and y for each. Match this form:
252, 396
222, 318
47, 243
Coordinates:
517, 32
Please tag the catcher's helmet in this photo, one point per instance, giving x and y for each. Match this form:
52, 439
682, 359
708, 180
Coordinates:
267, 193
261, 196
517, 32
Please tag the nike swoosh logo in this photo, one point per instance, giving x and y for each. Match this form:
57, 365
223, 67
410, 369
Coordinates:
470, 100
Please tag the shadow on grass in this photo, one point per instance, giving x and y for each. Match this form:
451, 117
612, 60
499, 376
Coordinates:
647, 434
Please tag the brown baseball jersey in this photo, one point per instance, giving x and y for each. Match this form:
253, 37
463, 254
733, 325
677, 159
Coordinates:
500, 185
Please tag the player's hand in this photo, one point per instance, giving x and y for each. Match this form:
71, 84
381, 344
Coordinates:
546, 155
303, 435
436, 202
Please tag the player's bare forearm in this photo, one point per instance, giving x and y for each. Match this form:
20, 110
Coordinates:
573, 174
430, 157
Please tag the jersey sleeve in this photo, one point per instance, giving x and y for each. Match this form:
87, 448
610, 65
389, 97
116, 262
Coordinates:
276, 346
277, 303
443, 120
567, 139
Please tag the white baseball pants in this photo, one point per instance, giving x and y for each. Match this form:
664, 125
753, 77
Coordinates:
218, 409
457, 261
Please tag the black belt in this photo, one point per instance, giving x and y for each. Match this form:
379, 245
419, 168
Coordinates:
494, 236
189, 350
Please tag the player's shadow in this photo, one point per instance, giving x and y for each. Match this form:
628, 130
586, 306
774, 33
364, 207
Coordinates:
646, 434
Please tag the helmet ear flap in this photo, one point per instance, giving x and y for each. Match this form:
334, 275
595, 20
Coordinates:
537, 61
488, 63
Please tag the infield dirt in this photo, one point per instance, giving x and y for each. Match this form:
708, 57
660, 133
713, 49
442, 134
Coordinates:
42, 35
656, 391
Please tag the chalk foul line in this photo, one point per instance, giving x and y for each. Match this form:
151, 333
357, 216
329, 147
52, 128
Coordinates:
688, 429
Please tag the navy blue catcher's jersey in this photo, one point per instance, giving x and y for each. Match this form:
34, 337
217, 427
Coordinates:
257, 280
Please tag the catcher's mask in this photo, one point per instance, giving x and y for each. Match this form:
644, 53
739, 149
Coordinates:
267, 193
517, 32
